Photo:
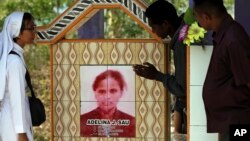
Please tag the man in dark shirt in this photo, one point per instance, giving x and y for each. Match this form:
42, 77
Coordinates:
226, 91
164, 22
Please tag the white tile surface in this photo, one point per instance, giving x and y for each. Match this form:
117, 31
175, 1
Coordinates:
198, 133
199, 61
197, 111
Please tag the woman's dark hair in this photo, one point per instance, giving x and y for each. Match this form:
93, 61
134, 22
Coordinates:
210, 5
110, 73
26, 17
162, 10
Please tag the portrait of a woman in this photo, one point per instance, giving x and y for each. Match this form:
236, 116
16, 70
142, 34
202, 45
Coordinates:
106, 120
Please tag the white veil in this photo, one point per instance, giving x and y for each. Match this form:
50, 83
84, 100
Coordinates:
11, 29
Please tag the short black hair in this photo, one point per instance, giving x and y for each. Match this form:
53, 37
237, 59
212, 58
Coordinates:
162, 10
208, 5
116, 75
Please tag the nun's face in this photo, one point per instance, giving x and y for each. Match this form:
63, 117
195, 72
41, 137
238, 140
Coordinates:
28, 34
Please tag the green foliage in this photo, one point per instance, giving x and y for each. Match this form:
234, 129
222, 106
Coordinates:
189, 16
120, 25
180, 5
229, 4
44, 11
37, 53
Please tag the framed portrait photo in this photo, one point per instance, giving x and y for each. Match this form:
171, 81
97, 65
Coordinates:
107, 101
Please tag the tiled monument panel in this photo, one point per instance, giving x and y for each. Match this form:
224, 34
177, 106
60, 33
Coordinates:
75, 64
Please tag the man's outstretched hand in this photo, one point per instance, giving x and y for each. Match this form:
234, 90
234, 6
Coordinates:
146, 70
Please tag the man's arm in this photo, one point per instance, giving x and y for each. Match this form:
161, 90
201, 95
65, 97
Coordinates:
148, 71
170, 82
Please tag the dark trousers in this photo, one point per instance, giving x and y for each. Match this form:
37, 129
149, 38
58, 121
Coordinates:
223, 136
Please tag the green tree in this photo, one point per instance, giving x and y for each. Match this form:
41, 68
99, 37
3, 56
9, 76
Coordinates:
44, 11
120, 25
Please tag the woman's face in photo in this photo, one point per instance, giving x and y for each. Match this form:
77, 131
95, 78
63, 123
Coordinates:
108, 93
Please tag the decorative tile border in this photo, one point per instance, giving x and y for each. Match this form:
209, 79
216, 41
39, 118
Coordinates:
108, 52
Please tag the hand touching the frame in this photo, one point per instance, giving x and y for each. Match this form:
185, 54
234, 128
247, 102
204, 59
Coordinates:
146, 70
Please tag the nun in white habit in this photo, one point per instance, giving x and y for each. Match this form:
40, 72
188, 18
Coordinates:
15, 119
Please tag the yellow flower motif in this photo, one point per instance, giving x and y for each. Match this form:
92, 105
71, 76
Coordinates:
188, 41
195, 34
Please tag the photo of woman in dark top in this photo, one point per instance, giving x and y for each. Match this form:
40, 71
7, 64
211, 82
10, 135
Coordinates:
106, 120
